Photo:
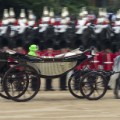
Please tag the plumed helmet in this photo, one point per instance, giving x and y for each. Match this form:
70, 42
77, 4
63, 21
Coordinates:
33, 47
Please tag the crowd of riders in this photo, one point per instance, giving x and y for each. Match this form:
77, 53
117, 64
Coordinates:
55, 34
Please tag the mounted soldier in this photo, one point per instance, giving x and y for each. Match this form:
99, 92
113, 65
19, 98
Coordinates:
32, 29
116, 29
60, 29
21, 24
87, 30
43, 24
102, 27
50, 35
5, 29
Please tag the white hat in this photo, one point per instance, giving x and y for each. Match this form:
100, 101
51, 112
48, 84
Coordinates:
5, 20
118, 14
22, 13
102, 12
11, 15
5, 13
84, 11
11, 12
31, 16
45, 11
51, 13
65, 12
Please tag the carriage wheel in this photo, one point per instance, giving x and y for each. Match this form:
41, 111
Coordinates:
117, 89
2, 92
93, 86
74, 84
2, 73
17, 83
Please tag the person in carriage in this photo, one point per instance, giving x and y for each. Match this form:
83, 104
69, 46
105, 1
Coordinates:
63, 79
49, 53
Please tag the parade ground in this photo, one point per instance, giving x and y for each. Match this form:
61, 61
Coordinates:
61, 105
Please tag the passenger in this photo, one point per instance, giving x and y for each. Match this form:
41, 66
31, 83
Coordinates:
49, 54
20, 50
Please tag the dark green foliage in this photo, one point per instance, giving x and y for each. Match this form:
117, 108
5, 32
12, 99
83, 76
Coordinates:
37, 5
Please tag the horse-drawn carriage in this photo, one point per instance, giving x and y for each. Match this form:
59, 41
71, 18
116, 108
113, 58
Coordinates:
27, 70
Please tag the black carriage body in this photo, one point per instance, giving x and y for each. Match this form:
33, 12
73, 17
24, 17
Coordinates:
51, 67
3, 62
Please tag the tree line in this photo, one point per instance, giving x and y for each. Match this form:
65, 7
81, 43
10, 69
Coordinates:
37, 5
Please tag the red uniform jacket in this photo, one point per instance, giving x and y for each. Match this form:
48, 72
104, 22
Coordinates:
108, 61
49, 54
96, 62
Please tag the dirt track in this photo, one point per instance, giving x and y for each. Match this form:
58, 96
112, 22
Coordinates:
59, 105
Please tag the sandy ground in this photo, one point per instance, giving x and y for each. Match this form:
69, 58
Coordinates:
61, 105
